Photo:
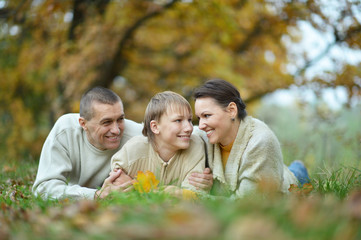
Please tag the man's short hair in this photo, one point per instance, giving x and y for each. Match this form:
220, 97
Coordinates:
96, 94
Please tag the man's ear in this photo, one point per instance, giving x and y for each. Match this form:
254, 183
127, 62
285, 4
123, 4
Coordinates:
154, 127
232, 109
82, 123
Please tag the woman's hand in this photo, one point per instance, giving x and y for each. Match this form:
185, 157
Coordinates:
203, 180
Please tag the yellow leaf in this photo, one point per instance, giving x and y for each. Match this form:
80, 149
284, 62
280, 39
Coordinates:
145, 182
304, 190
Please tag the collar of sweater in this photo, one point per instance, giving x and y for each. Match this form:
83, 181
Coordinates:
229, 176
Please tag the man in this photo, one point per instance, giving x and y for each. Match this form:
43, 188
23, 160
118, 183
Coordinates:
75, 158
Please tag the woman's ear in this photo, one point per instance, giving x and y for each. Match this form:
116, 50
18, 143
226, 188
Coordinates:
232, 110
154, 127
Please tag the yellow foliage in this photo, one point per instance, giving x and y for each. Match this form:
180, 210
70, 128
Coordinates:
44, 72
145, 182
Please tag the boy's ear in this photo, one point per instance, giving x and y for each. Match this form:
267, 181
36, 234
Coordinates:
154, 127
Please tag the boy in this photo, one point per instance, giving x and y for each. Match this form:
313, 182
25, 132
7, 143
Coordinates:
168, 148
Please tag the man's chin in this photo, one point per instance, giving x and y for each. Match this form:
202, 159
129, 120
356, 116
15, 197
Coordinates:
113, 145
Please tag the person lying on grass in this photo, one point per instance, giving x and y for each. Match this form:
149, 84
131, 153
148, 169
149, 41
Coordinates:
168, 149
244, 154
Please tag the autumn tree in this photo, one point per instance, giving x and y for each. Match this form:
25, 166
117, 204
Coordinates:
52, 51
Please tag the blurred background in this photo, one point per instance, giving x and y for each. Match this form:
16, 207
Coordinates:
296, 63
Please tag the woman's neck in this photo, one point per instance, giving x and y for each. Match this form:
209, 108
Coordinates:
232, 134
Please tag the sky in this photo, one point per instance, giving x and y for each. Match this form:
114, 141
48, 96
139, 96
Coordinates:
313, 43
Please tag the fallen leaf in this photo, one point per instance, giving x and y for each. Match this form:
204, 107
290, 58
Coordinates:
8, 169
301, 191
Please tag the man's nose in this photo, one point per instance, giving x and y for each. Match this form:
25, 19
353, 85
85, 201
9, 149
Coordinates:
115, 128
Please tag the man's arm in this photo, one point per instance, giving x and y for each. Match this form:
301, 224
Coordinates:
60, 163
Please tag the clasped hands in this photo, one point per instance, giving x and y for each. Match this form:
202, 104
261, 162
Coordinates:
118, 180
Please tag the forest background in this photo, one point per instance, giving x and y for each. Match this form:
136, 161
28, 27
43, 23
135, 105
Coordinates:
52, 51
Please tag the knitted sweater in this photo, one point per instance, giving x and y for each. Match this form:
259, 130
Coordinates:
255, 157
139, 155
69, 165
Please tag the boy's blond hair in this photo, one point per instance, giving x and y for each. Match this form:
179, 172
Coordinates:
159, 105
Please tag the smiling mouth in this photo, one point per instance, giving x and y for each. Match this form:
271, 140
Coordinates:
184, 136
113, 138
209, 132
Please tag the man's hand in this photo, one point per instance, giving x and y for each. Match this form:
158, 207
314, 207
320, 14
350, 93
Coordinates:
123, 178
117, 181
202, 180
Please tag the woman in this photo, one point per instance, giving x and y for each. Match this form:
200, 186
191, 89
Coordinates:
243, 153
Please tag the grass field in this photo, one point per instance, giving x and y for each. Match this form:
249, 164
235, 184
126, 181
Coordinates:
330, 210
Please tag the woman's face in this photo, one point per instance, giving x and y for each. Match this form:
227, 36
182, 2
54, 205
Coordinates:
215, 121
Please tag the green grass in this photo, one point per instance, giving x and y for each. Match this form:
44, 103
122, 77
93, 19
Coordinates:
328, 212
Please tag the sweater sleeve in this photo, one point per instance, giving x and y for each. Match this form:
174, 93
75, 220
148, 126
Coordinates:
195, 162
261, 165
120, 159
55, 166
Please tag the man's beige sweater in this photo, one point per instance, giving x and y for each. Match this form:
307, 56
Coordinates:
69, 165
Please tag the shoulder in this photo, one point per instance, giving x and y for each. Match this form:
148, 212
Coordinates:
136, 148
260, 131
132, 128
66, 123
68, 120
137, 141
196, 147
202, 134
137, 145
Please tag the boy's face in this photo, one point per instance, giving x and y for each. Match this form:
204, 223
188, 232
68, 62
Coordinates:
174, 130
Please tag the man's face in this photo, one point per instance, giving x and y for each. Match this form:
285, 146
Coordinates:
105, 129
